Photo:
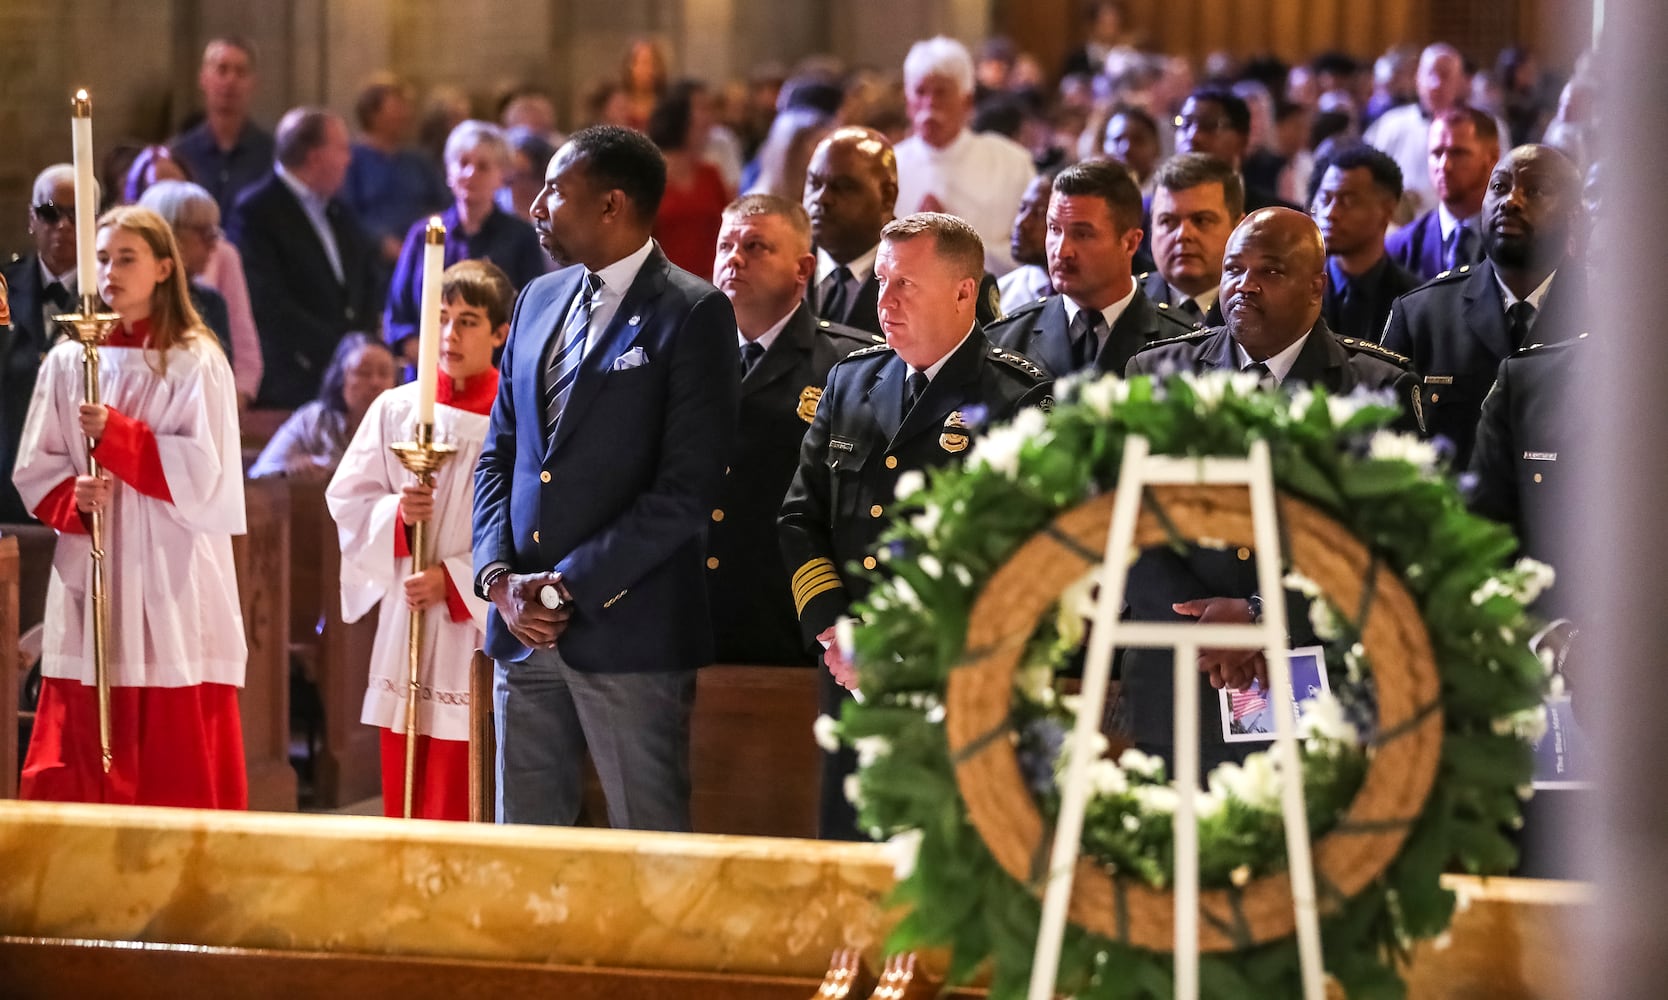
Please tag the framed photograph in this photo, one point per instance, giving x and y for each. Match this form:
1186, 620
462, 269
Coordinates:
1248, 716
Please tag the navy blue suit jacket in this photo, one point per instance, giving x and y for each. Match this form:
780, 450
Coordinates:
1417, 246
617, 500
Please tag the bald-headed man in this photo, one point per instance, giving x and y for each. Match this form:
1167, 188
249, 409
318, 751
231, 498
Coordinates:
1457, 328
1273, 280
763, 263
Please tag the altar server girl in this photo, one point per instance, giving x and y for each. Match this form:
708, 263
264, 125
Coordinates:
171, 493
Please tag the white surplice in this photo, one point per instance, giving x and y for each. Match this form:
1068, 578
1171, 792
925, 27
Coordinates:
364, 499
175, 620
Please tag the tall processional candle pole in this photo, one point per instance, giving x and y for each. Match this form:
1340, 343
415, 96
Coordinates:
422, 457
90, 326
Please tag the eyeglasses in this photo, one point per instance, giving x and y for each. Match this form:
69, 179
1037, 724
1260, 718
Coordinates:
51, 213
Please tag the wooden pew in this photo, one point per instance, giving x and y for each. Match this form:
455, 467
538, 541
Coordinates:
10, 674
262, 558
335, 656
752, 760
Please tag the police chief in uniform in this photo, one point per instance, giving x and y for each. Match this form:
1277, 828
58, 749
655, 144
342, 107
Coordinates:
763, 263
1197, 201
914, 403
1273, 280
1457, 328
1099, 318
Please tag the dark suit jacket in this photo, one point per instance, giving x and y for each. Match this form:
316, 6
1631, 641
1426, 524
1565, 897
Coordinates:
1163, 576
1156, 289
301, 309
619, 498
752, 606
1454, 332
1042, 333
24, 346
1379, 287
1417, 246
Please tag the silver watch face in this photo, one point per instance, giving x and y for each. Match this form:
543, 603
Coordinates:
549, 597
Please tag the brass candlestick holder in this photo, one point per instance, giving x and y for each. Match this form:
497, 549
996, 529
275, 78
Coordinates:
422, 458
90, 328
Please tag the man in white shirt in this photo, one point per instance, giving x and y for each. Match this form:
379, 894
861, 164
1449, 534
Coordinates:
944, 167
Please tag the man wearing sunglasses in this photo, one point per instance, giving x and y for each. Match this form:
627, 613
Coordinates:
41, 285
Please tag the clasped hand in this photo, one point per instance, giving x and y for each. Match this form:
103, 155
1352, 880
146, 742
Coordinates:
1228, 668
516, 596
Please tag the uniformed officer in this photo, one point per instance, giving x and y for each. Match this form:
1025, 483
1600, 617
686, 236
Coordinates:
1273, 279
1100, 318
1458, 327
1532, 426
1197, 201
915, 403
763, 263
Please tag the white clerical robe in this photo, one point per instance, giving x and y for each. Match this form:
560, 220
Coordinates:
980, 177
364, 499
175, 620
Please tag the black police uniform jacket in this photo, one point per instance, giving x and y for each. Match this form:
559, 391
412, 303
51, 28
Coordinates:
861, 442
1521, 467
1161, 577
752, 609
1154, 287
1041, 332
1454, 332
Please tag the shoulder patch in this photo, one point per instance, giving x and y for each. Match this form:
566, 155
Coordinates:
1368, 347
865, 352
1022, 312
1198, 333
1018, 361
1545, 348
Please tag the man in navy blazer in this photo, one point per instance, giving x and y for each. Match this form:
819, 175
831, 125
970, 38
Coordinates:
1464, 146
617, 404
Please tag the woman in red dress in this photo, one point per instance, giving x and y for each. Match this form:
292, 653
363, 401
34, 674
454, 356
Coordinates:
692, 209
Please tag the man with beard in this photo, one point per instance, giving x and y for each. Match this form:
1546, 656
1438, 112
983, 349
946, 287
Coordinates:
1464, 146
1100, 317
1356, 193
616, 409
1273, 281
1457, 328
1028, 282
1197, 202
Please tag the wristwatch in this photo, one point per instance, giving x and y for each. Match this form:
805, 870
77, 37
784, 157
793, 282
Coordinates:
1256, 603
549, 597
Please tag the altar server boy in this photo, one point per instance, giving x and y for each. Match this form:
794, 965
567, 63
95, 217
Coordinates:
375, 501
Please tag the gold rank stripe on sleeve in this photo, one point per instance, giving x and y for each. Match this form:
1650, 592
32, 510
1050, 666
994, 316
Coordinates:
811, 581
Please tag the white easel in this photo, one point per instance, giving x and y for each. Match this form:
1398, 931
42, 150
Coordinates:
1139, 470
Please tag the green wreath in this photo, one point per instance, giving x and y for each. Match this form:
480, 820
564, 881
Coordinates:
962, 524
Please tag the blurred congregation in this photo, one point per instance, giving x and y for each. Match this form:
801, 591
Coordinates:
1449, 177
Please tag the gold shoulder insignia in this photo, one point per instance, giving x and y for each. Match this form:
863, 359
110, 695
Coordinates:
808, 399
1191, 335
1368, 347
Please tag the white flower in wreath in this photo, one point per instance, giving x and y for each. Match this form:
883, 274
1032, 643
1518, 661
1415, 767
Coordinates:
1528, 725
826, 731
1104, 394
926, 522
1107, 779
1255, 782
853, 789
1155, 798
1134, 761
999, 449
1323, 718
1391, 446
1324, 620
910, 483
931, 566
905, 594
1537, 578
1302, 584
871, 748
1207, 804
903, 848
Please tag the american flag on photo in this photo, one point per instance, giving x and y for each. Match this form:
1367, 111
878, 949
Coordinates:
1248, 702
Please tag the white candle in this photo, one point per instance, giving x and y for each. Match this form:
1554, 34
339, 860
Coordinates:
86, 198
428, 332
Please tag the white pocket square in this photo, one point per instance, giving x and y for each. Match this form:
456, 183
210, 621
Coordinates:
634, 358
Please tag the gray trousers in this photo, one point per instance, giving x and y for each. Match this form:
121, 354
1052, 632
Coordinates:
636, 726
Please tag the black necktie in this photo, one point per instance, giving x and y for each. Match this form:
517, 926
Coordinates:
835, 297
1355, 318
1190, 307
59, 296
750, 356
1519, 316
1085, 338
1463, 249
913, 389
1265, 377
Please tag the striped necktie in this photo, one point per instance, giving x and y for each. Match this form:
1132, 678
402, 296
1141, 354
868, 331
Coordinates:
563, 369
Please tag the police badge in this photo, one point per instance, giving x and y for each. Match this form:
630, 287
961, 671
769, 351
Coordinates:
808, 399
954, 437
